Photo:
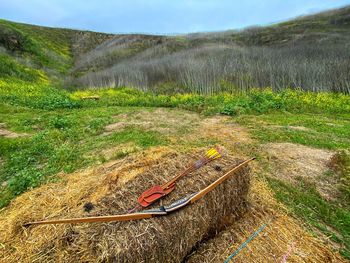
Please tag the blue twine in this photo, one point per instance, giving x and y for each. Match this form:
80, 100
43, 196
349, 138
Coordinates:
245, 243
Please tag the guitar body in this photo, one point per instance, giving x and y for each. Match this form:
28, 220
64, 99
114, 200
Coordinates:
153, 194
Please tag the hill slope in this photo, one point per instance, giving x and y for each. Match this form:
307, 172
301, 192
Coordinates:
310, 52
28, 50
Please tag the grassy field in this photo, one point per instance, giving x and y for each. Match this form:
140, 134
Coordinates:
63, 126
323, 131
60, 140
63, 133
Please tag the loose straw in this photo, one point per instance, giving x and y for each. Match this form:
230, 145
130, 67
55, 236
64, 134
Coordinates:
245, 243
288, 253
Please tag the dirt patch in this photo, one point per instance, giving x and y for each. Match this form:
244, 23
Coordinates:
334, 124
119, 126
295, 128
165, 121
9, 134
224, 129
181, 125
113, 127
299, 128
292, 162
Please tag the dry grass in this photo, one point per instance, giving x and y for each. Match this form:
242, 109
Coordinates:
163, 120
292, 162
112, 191
283, 234
224, 129
63, 198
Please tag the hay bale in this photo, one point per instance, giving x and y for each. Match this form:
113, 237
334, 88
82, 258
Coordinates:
163, 239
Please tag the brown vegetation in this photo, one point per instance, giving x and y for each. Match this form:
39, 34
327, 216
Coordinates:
292, 162
282, 234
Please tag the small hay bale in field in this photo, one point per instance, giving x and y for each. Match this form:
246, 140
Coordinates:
163, 239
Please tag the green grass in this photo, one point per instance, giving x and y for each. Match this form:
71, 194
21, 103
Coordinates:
306, 203
45, 47
321, 130
341, 168
39, 95
60, 140
67, 132
11, 69
254, 101
34, 54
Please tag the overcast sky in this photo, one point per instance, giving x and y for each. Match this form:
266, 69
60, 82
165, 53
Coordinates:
159, 16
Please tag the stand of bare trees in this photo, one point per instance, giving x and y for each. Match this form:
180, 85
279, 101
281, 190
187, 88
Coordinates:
213, 67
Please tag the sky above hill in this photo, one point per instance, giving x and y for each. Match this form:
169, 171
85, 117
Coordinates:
159, 16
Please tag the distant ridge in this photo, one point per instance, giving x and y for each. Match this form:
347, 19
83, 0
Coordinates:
76, 58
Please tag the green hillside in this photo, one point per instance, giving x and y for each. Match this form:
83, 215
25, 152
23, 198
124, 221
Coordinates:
329, 27
35, 62
310, 52
34, 54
